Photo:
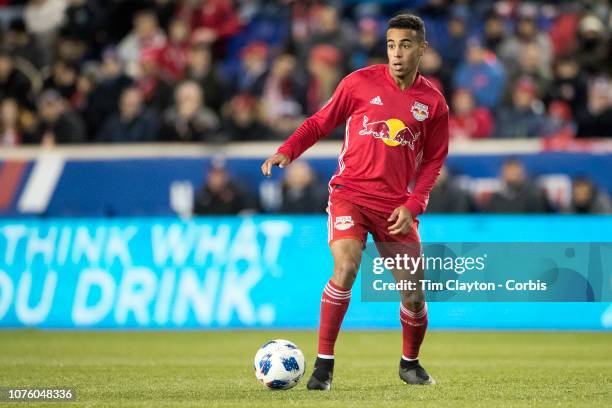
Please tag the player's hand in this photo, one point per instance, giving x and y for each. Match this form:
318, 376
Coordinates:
401, 219
277, 159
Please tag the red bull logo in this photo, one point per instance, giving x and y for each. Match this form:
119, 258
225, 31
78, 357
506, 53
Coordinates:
343, 223
420, 111
392, 132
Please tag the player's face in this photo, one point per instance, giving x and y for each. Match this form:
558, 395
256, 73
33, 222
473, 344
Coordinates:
404, 51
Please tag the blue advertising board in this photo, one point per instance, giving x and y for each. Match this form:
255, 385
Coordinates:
236, 272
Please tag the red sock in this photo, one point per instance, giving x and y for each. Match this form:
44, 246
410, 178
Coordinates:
414, 326
334, 302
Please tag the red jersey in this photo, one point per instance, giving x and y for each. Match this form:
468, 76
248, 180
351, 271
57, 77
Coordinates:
395, 140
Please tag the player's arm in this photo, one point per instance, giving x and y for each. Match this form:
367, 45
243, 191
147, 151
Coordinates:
319, 125
434, 154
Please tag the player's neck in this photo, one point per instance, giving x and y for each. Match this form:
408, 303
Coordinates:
405, 81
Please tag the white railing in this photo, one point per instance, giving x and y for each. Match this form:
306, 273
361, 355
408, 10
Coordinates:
324, 148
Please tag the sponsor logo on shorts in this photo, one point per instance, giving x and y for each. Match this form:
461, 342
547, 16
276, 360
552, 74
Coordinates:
343, 223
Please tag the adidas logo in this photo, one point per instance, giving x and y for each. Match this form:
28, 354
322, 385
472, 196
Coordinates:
376, 101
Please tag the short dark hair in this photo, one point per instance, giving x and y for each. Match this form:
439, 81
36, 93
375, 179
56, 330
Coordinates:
408, 22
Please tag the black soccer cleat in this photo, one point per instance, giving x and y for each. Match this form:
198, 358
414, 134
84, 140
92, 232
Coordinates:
411, 372
322, 374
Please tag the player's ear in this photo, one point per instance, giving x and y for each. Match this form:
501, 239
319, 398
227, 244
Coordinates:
423, 47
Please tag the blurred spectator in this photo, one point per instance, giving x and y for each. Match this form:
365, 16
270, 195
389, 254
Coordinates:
436, 14
563, 32
10, 134
284, 95
323, 66
155, 87
302, 192
466, 120
200, 68
529, 65
211, 21
482, 74
242, 122
82, 98
58, 123
525, 117
593, 46
188, 120
15, 124
105, 96
596, 119
303, 21
494, 32
254, 68
434, 69
63, 78
133, 122
145, 35
558, 122
220, 195
44, 17
526, 31
20, 43
173, 55
369, 43
454, 45
330, 31
586, 199
570, 84
447, 196
70, 48
517, 194
85, 19
13, 82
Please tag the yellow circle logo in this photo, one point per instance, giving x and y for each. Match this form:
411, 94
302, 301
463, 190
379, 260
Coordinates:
395, 126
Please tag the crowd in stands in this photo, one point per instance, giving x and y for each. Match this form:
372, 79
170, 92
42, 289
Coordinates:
81, 71
301, 191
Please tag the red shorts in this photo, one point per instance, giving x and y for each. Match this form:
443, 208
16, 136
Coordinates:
350, 220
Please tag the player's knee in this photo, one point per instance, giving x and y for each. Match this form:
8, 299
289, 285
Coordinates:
346, 270
413, 305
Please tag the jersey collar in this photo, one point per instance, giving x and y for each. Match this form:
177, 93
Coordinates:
417, 79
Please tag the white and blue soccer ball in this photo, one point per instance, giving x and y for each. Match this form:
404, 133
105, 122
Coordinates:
279, 364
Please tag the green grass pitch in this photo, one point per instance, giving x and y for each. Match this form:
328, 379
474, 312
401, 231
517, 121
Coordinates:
214, 368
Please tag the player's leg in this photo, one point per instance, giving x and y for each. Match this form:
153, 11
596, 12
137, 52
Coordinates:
337, 293
334, 303
413, 308
414, 320
346, 237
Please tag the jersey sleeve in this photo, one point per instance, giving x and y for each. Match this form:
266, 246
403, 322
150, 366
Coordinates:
434, 154
321, 124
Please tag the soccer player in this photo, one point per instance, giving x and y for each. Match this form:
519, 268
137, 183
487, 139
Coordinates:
395, 143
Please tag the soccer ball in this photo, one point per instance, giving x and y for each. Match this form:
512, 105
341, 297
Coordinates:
279, 364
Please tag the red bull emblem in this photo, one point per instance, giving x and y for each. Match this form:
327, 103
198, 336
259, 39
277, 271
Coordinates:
420, 111
343, 222
393, 132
